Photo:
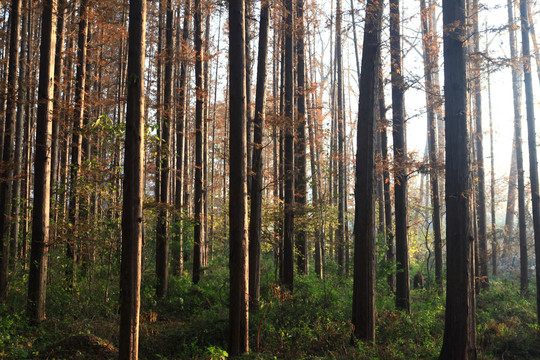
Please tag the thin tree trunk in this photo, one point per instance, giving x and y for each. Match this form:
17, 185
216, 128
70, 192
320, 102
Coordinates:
162, 228
257, 167
363, 304
533, 159
239, 290
460, 328
288, 158
199, 134
6, 195
37, 279
400, 163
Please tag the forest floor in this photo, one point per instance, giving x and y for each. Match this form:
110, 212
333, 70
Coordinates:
192, 322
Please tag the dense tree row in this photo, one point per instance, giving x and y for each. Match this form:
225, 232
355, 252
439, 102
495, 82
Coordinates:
135, 136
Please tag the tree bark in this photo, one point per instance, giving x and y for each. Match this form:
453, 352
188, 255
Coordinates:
460, 328
257, 167
37, 278
363, 308
533, 158
6, 172
239, 291
400, 163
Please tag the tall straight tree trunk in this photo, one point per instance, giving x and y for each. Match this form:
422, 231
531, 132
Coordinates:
518, 150
431, 49
494, 243
6, 196
300, 143
198, 236
162, 228
400, 163
479, 138
288, 157
37, 278
76, 141
533, 159
132, 207
257, 168
19, 146
181, 140
363, 304
340, 111
460, 328
389, 233
239, 290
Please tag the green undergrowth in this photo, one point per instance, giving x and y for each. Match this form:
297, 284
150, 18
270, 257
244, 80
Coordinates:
311, 323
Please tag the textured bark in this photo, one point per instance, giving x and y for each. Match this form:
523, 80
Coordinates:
288, 154
300, 196
363, 305
257, 166
162, 228
460, 328
400, 163
239, 291
132, 207
198, 236
37, 279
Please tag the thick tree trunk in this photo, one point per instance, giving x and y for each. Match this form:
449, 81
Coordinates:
132, 207
400, 163
257, 167
239, 291
37, 279
300, 142
460, 328
363, 305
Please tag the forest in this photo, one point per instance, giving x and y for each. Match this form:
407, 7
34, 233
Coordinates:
273, 179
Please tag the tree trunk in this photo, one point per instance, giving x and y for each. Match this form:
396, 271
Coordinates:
162, 229
199, 133
239, 291
37, 278
76, 141
6, 172
256, 184
400, 163
431, 49
518, 150
460, 328
288, 157
300, 143
479, 138
363, 308
533, 159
